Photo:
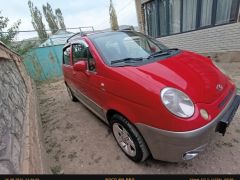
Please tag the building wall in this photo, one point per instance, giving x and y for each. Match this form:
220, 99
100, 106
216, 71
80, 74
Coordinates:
21, 145
220, 42
216, 39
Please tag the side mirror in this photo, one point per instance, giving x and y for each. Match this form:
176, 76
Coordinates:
153, 49
80, 66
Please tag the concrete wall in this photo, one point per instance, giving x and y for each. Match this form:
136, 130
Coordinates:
21, 144
217, 39
12, 113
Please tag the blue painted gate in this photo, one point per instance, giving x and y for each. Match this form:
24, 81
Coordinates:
44, 63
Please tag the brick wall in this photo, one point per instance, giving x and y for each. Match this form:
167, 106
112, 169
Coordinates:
12, 113
217, 39
21, 145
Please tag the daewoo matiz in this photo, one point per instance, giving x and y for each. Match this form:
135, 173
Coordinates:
158, 101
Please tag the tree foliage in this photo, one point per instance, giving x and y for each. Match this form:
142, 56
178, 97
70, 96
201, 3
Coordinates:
37, 21
8, 36
50, 18
60, 19
113, 17
22, 47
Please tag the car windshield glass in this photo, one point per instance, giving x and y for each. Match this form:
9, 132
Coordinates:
126, 47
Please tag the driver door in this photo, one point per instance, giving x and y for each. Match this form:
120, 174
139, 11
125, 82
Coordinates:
88, 81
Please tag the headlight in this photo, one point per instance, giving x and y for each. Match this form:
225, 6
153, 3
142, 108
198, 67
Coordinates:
177, 102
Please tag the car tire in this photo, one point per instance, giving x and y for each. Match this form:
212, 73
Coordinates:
130, 141
71, 95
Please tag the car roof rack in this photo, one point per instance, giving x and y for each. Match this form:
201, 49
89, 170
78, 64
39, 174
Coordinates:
81, 34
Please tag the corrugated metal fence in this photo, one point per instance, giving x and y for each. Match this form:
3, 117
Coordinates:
44, 63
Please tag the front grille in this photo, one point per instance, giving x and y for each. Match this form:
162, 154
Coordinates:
225, 100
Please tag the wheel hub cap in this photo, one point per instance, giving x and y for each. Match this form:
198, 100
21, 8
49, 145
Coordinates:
124, 139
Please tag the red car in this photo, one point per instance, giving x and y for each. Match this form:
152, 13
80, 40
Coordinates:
158, 101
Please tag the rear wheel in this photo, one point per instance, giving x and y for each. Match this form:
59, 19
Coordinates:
71, 95
129, 139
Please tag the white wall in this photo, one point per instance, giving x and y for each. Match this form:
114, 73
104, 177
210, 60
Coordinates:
217, 39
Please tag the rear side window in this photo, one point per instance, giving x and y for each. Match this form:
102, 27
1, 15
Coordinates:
66, 56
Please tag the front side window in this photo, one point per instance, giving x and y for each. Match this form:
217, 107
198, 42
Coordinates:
80, 52
66, 56
91, 63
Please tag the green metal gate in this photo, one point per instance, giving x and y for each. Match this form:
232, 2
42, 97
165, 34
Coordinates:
44, 63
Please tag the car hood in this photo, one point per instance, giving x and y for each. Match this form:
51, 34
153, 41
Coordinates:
192, 73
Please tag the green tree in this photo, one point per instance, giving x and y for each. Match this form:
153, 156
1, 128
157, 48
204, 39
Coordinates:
37, 21
113, 17
22, 47
50, 18
8, 36
60, 19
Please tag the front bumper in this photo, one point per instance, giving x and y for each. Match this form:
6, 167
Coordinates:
179, 146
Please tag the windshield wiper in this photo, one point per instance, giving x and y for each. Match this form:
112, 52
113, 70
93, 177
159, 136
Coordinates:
161, 53
126, 60
172, 49
158, 53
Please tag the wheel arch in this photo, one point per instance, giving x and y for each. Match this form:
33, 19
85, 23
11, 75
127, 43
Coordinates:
111, 112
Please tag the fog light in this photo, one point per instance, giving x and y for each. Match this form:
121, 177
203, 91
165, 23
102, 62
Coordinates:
204, 114
189, 155
193, 153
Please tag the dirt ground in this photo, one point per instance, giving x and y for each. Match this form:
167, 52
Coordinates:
77, 142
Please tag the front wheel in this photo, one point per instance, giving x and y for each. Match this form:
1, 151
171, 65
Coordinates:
129, 139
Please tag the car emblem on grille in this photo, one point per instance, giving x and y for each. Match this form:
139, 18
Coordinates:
219, 87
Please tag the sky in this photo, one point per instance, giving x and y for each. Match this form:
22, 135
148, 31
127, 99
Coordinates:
76, 13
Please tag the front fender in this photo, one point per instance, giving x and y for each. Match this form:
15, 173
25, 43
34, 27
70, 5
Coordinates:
133, 111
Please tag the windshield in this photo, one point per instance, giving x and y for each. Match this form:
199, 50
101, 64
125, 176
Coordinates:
118, 47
